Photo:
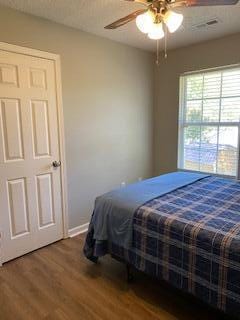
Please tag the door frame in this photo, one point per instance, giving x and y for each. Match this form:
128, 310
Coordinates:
61, 136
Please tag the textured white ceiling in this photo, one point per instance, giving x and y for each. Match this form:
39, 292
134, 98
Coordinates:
93, 15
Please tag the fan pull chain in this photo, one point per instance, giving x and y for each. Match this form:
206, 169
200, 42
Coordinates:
165, 43
157, 61
165, 48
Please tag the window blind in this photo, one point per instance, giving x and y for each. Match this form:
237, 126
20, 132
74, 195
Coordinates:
209, 122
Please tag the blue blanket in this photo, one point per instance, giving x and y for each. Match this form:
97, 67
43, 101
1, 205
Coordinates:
190, 238
113, 213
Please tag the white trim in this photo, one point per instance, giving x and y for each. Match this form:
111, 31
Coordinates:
212, 124
56, 58
62, 146
209, 173
78, 230
1, 257
182, 93
28, 51
214, 69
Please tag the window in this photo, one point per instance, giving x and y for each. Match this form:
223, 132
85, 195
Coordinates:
209, 121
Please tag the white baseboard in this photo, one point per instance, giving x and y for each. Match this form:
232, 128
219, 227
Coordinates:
78, 230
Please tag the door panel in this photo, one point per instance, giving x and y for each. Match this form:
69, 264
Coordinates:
45, 200
30, 188
38, 78
8, 74
40, 125
18, 212
11, 129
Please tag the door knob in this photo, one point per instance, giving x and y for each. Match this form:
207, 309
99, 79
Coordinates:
56, 164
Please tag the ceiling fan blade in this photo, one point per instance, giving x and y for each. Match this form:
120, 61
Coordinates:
141, 1
192, 3
125, 20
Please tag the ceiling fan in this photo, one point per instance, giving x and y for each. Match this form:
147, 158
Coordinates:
158, 17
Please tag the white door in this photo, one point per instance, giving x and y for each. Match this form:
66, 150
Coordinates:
30, 186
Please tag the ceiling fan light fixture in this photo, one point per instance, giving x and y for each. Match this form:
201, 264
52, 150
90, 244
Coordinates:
173, 20
156, 32
145, 22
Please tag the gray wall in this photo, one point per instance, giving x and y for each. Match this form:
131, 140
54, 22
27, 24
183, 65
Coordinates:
209, 54
107, 100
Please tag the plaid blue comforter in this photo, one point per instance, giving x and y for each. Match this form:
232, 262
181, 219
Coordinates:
190, 238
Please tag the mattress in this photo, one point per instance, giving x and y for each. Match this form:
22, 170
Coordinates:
189, 237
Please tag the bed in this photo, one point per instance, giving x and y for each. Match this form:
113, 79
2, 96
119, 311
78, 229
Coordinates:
187, 235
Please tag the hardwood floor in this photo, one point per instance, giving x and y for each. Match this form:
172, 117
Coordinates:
58, 283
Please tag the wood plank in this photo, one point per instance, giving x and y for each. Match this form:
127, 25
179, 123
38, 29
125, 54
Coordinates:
58, 283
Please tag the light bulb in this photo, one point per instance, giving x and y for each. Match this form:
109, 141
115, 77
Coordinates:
156, 31
144, 22
173, 20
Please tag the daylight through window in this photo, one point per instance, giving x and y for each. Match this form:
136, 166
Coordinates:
209, 122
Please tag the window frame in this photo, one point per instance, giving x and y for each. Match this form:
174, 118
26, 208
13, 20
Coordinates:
182, 123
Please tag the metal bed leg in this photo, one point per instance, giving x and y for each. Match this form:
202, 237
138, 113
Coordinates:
129, 274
